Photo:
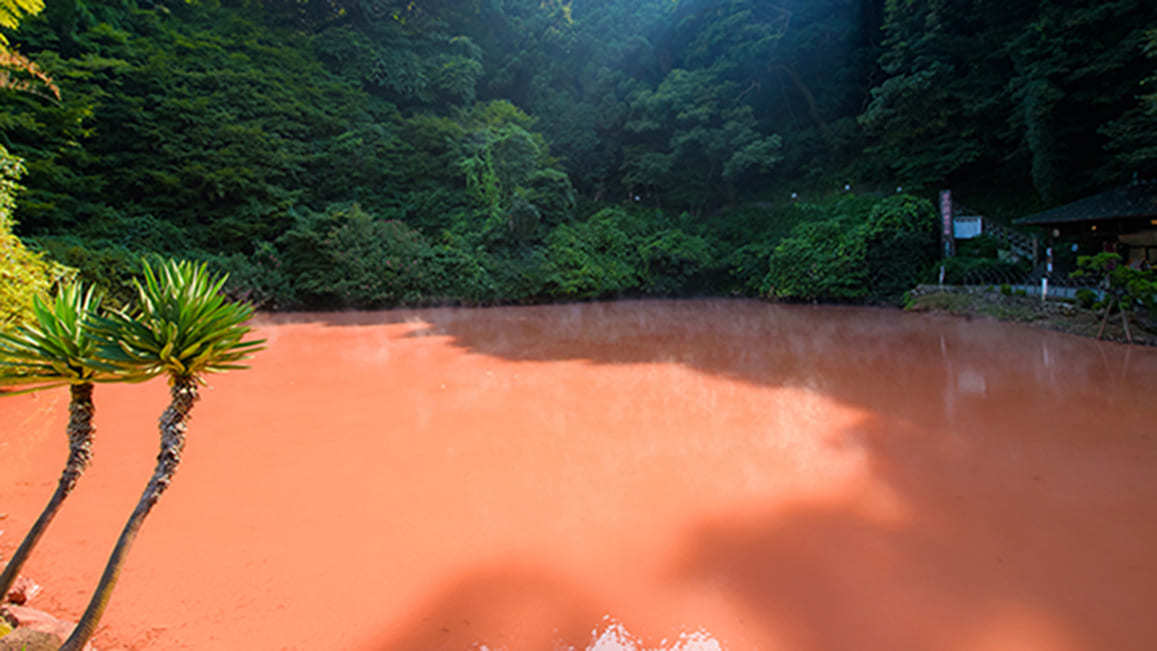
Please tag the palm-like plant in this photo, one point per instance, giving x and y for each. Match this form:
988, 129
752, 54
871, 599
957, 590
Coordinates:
184, 328
55, 351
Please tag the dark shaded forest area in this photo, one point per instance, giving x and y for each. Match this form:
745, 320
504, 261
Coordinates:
367, 153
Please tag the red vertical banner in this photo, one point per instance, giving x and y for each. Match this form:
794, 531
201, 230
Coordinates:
948, 242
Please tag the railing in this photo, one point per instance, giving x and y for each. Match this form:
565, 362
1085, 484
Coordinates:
1023, 245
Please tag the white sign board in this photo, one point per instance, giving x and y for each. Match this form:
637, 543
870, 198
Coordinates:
966, 228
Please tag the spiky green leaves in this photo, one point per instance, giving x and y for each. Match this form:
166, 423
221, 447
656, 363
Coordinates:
183, 326
56, 348
12, 11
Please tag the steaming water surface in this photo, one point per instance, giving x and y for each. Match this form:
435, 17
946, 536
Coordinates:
661, 475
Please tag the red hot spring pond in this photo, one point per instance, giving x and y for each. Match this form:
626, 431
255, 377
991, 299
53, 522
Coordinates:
668, 475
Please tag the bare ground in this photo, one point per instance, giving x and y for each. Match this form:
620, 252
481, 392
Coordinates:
1058, 315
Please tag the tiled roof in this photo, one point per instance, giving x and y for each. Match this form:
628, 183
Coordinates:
1129, 201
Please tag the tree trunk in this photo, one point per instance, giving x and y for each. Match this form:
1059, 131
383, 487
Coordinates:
173, 425
1105, 320
1125, 325
80, 430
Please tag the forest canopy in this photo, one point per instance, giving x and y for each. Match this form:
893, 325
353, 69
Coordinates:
380, 152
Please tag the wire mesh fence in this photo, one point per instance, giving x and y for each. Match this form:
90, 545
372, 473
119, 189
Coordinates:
1036, 282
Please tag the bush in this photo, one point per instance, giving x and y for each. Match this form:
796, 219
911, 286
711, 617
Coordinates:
345, 257
964, 270
23, 274
595, 258
853, 256
676, 263
1087, 298
819, 261
981, 246
100, 264
747, 267
900, 243
1130, 289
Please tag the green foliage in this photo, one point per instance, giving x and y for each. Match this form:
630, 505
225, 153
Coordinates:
900, 239
693, 142
595, 258
109, 267
24, 275
182, 326
12, 11
991, 91
346, 257
676, 263
747, 267
820, 261
970, 270
56, 348
208, 120
862, 252
468, 135
981, 246
1133, 136
1086, 297
1132, 289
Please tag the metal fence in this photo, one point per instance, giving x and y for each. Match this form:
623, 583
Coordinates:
1059, 286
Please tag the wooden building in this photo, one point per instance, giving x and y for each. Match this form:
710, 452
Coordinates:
1123, 220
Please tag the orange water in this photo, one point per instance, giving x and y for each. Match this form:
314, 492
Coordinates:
660, 475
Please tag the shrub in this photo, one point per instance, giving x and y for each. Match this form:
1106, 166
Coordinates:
819, 261
1130, 289
23, 273
345, 257
964, 270
853, 256
110, 267
595, 258
676, 263
900, 243
747, 267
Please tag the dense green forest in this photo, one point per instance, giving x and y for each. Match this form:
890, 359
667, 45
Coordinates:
363, 153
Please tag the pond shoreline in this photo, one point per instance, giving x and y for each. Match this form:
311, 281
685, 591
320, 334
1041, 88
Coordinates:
1055, 315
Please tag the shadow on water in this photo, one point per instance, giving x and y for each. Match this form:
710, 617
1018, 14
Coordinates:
859, 356
1013, 503
509, 606
1007, 541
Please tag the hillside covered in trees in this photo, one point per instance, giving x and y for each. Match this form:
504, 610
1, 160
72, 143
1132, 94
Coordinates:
365, 153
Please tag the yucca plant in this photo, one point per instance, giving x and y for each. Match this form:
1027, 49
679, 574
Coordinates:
183, 327
54, 350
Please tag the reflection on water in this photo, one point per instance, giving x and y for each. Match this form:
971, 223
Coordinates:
755, 476
615, 637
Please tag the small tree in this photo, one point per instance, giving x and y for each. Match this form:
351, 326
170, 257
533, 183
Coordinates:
52, 352
1125, 287
184, 327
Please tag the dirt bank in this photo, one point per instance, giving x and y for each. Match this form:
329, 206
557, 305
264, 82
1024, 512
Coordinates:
1055, 315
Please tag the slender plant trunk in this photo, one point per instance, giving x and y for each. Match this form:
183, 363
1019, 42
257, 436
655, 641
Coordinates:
1125, 324
173, 425
1105, 320
80, 430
